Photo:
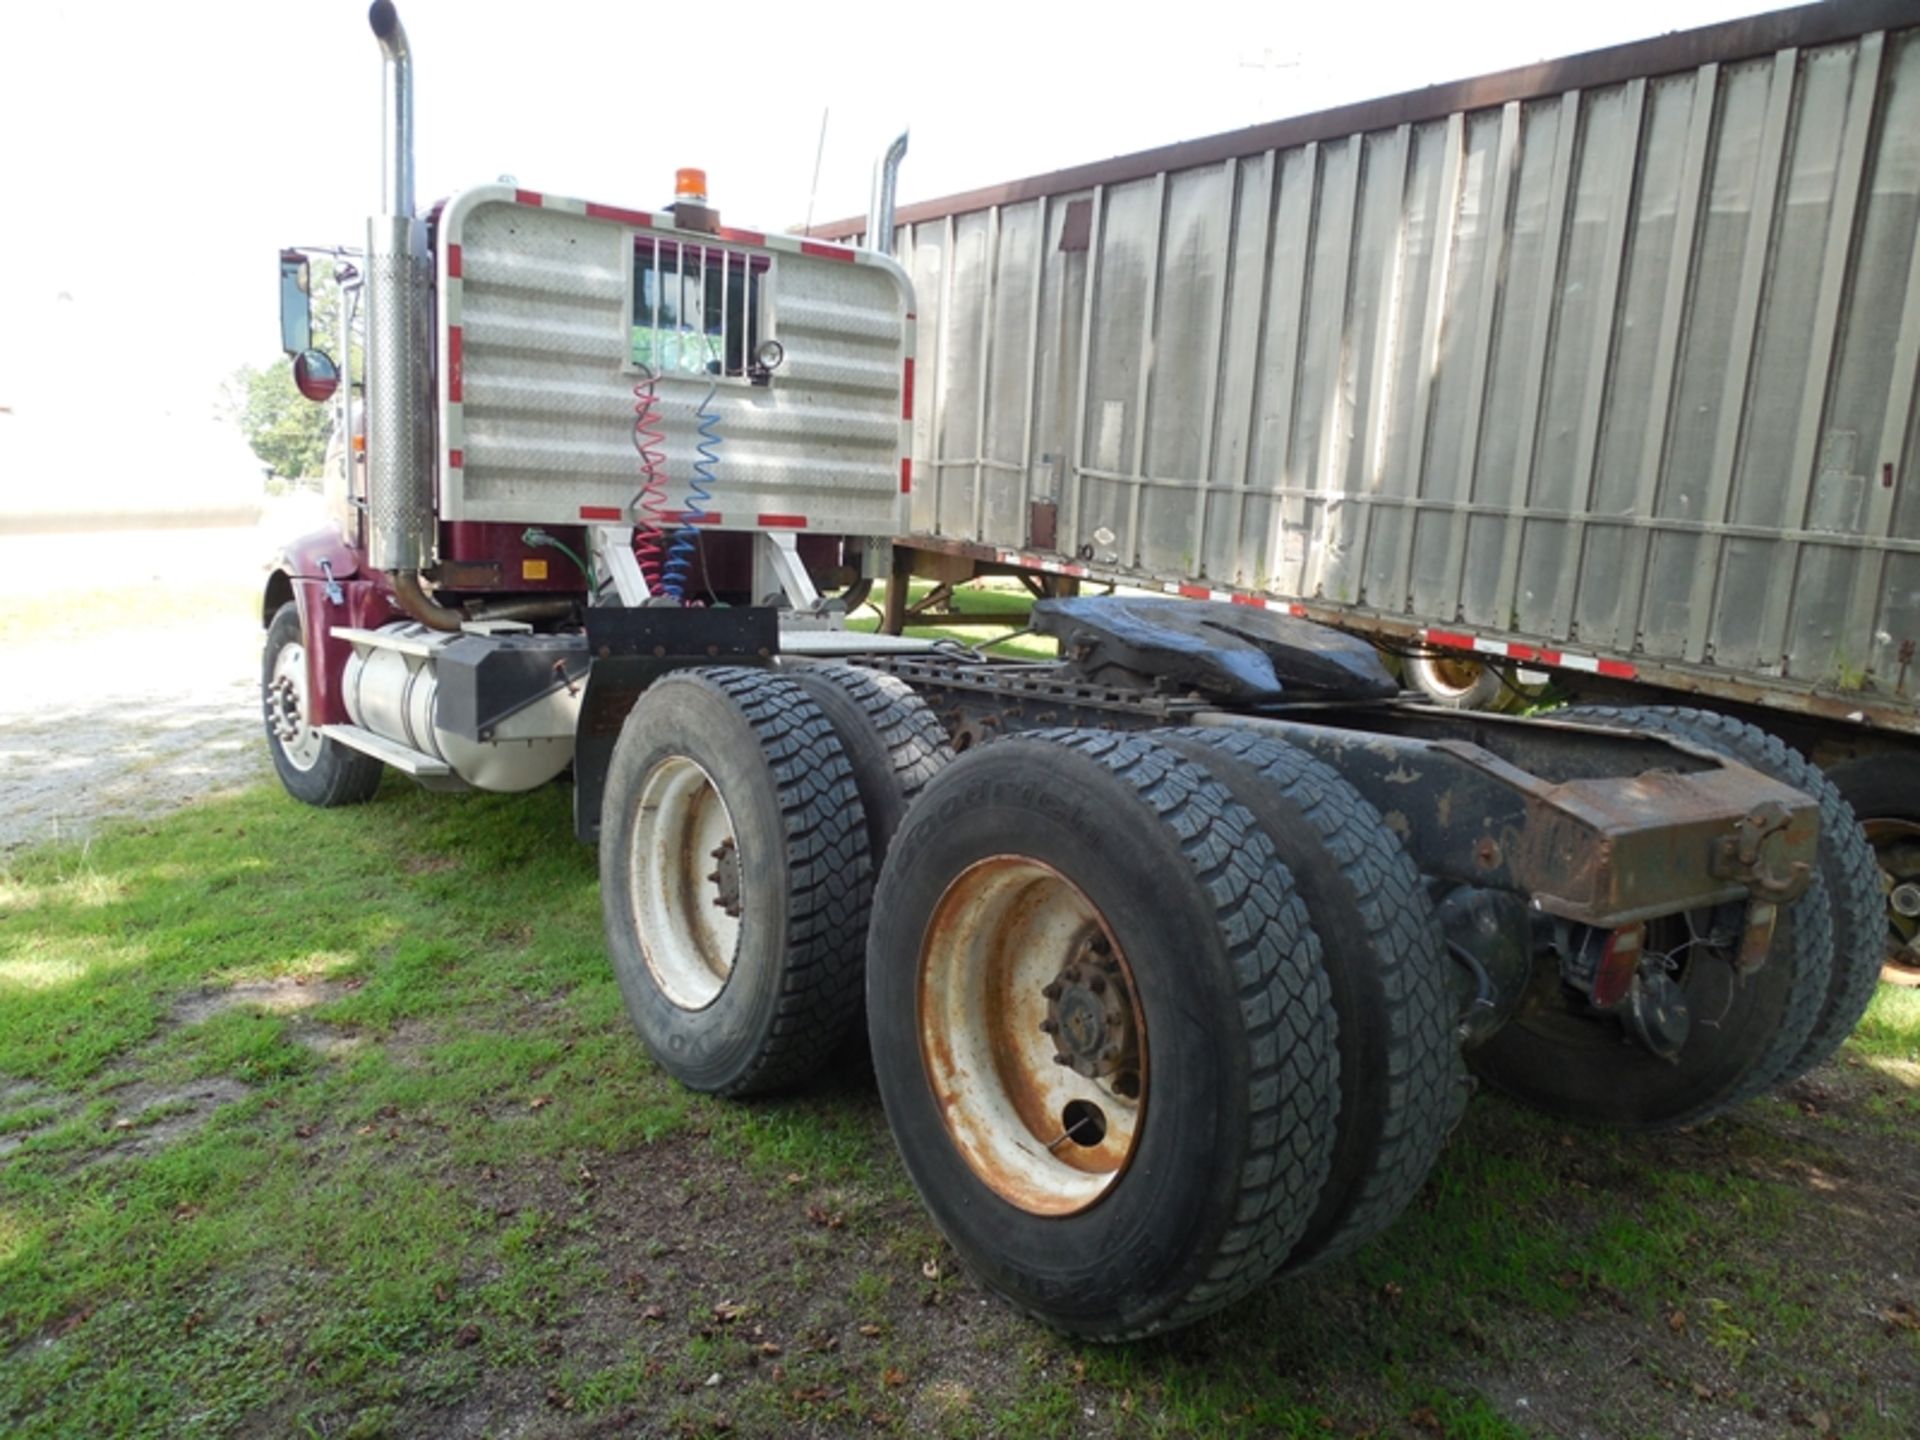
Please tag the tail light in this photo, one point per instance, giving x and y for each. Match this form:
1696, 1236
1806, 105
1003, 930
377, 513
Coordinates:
1619, 963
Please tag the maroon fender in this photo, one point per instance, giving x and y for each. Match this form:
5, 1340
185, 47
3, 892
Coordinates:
332, 589
312, 555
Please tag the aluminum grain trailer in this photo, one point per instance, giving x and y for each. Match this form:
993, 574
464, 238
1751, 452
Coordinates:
1171, 954
1602, 369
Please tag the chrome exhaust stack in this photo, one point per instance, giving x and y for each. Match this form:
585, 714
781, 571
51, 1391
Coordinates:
399, 287
886, 180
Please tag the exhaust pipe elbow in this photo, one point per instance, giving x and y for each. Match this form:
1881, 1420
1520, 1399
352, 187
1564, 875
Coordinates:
385, 20
416, 602
392, 35
886, 179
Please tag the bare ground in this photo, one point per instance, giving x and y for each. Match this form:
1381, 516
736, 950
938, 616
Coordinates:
129, 669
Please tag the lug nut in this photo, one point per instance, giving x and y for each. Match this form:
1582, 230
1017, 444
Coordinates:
1097, 984
1101, 945
1062, 1060
1051, 990
1050, 1026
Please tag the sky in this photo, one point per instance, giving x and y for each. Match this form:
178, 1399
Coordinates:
157, 156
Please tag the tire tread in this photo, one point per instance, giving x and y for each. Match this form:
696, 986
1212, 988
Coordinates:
828, 865
1412, 1004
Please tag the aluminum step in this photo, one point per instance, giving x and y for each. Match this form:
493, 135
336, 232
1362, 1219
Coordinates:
414, 645
390, 752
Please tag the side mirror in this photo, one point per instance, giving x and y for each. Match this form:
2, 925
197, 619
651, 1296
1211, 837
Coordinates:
315, 375
296, 304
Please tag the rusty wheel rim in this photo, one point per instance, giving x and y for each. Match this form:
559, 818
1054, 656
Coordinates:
684, 882
1896, 847
1032, 1035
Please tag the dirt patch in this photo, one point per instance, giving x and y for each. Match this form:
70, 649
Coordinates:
148, 1118
287, 995
733, 1300
291, 996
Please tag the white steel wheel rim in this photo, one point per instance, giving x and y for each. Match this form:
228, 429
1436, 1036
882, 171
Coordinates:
688, 920
287, 713
1042, 1135
1452, 676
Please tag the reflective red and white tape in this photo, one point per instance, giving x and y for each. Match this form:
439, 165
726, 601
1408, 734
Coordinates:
1529, 654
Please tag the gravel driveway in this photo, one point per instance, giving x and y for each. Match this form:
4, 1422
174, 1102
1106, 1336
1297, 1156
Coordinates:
138, 694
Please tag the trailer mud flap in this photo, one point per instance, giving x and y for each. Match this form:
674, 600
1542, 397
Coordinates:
631, 649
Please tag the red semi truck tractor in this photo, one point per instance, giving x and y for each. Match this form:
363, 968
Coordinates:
1175, 954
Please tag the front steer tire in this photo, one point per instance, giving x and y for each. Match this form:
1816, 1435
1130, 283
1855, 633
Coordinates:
735, 881
314, 769
1031, 853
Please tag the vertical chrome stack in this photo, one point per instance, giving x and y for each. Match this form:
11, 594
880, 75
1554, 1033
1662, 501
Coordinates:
399, 284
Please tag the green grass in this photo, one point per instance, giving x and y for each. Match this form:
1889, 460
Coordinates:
1891, 1029
1006, 600
440, 1174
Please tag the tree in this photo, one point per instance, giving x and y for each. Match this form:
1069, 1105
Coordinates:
286, 430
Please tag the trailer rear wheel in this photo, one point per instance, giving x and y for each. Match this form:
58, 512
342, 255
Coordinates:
314, 769
1846, 862
1461, 681
1884, 791
1400, 1069
734, 879
1102, 1031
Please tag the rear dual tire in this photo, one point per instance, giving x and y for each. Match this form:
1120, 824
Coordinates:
1846, 863
1401, 1080
735, 879
1182, 1175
